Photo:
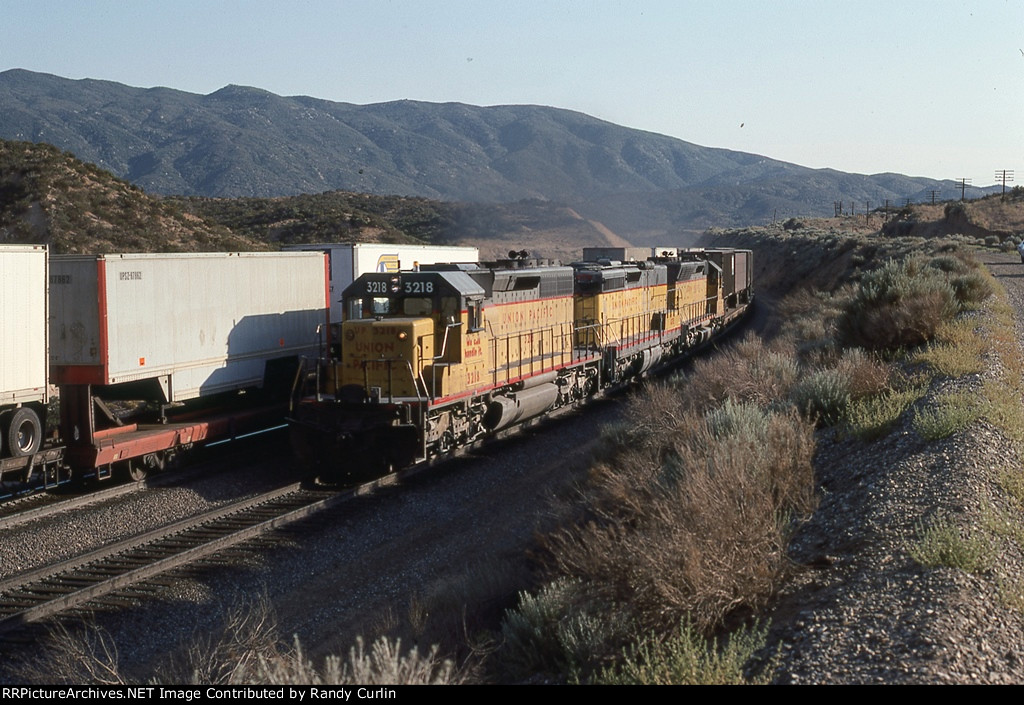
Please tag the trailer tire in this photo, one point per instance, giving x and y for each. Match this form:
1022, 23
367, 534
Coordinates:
23, 432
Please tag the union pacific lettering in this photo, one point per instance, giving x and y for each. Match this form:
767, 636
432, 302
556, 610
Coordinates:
530, 314
375, 347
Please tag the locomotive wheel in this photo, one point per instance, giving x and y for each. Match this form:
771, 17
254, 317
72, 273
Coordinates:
23, 432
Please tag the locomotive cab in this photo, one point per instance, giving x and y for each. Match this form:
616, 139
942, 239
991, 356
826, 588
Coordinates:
406, 333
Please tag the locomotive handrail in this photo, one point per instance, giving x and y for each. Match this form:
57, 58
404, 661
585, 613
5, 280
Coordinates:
444, 341
557, 355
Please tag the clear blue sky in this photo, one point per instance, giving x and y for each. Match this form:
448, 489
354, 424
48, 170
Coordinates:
927, 88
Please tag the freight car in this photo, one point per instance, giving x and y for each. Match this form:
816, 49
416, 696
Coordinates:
439, 358
156, 353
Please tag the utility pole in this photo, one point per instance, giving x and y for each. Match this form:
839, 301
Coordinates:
867, 212
1004, 175
935, 195
963, 187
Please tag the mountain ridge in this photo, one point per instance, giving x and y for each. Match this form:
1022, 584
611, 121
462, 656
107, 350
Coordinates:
246, 141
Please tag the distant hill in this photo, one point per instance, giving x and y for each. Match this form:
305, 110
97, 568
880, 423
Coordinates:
49, 197
999, 216
540, 227
242, 141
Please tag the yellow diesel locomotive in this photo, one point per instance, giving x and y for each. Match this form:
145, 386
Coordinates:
435, 359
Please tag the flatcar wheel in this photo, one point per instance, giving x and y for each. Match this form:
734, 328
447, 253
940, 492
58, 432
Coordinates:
135, 470
23, 432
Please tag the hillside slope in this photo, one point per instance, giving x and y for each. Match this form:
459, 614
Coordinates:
911, 570
50, 197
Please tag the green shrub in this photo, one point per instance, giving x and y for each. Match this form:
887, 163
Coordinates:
949, 264
558, 631
686, 658
872, 417
951, 413
742, 422
971, 288
941, 544
900, 304
823, 395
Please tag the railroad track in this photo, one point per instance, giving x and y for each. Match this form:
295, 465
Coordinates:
38, 594
39, 504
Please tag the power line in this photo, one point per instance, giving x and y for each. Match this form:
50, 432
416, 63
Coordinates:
1005, 175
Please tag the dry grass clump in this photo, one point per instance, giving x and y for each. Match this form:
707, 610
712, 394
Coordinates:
864, 373
73, 655
686, 521
244, 650
694, 524
384, 663
957, 349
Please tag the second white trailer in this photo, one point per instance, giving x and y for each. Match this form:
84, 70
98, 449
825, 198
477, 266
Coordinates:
348, 261
180, 326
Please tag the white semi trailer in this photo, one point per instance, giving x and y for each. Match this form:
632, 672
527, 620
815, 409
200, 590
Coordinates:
23, 348
350, 260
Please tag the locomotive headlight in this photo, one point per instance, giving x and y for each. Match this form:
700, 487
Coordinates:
402, 335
